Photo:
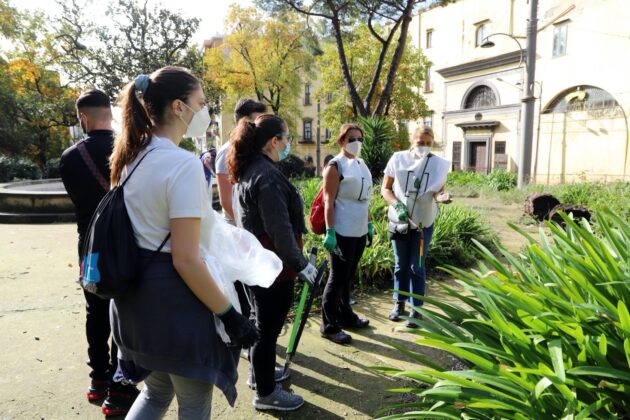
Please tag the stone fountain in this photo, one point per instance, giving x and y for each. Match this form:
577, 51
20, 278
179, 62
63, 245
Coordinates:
39, 201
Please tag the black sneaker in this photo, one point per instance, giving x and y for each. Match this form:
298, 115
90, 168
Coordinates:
413, 315
339, 337
399, 308
97, 390
119, 399
358, 323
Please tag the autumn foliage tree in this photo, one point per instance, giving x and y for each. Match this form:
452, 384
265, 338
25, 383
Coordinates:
405, 103
269, 59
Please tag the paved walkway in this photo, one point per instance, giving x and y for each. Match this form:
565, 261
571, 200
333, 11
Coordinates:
43, 374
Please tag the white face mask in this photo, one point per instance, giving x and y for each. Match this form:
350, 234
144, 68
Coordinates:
354, 148
421, 151
198, 124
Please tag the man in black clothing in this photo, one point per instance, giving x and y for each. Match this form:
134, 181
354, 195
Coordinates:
85, 174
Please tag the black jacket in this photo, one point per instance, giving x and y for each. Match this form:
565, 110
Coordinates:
84, 190
269, 205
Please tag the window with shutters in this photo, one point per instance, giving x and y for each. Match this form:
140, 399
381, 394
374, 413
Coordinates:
457, 156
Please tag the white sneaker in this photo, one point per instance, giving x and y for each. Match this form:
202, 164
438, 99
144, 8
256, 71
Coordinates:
279, 399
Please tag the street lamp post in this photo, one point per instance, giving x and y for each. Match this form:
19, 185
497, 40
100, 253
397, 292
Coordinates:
528, 99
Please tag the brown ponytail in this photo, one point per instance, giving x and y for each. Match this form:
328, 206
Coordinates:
248, 139
139, 116
135, 134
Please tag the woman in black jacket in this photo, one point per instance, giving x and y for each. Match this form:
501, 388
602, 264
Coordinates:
272, 209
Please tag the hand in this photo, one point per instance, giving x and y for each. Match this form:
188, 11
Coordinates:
308, 274
370, 234
444, 198
330, 240
401, 211
241, 331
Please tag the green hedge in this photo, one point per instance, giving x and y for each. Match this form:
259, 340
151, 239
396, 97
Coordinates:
17, 168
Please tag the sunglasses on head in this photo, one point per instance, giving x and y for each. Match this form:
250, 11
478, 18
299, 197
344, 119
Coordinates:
353, 139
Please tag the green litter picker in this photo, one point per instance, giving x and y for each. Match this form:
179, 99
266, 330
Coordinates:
306, 301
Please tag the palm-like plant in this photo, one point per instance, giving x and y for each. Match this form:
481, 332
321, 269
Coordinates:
545, 336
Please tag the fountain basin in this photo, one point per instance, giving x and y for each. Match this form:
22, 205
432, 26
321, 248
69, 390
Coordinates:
38, 201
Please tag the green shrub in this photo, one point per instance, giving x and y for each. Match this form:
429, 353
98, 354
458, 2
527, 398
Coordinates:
455, 229
544, 336
378, 134
188, 144
464, 179
15, 168
500, 180
52, 168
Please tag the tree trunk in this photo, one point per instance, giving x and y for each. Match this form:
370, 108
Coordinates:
539, 205
354, 95
400, 50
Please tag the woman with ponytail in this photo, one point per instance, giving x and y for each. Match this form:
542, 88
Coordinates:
270, 207
164, 326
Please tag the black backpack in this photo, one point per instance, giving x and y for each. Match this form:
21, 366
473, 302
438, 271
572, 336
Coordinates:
110, 262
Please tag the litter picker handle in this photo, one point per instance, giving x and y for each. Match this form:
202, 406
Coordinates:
313, 255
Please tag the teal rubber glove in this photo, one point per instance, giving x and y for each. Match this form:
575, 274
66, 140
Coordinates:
401, 211
330, 240
370, 234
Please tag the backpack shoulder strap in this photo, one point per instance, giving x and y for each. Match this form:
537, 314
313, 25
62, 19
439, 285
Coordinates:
136, 167
89, 162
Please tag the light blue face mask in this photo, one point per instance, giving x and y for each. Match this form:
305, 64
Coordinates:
282, 154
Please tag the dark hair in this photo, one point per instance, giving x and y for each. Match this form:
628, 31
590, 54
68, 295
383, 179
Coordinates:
246, 107
327, 159
93, 98
345, 128
248, 139
143, 105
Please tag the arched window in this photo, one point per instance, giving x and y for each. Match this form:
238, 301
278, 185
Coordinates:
480, 97
582, 98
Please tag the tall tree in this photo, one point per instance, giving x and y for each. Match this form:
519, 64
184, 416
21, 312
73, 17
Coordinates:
405, 102
265, 57
35, 105
341, 15
138, 39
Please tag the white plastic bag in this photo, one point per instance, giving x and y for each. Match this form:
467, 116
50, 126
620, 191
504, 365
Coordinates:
235, 254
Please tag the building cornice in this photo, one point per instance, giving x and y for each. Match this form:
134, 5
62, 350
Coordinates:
484, 64
474, 125
493, 110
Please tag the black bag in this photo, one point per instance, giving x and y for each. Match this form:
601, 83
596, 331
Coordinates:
110, 262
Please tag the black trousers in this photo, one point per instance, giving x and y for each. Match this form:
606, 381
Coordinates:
101, 358
336, 310
242, 292
271, 306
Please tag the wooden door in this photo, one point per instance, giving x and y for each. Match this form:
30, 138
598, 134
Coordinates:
477, 157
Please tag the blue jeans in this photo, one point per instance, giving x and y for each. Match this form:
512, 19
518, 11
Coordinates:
409, 275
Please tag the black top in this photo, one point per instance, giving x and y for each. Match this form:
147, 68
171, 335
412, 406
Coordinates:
270, 205
83, 188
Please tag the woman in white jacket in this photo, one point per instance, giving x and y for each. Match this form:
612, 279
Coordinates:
413, 183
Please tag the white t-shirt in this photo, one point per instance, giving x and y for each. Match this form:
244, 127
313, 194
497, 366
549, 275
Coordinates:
353, 197
415, 182
221, 168
168, 184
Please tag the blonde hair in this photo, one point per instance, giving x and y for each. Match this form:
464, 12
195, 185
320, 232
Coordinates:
425, 129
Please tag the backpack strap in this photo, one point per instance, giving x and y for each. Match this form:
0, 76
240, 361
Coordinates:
87, 159
136, 167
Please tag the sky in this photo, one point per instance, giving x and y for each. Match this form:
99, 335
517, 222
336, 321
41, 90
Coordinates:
211, 12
